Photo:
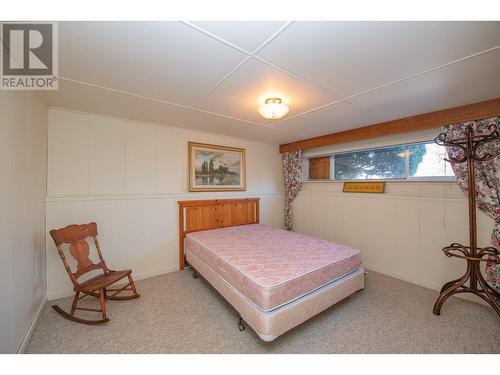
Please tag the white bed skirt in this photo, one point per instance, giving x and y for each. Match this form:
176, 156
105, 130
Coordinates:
271, 324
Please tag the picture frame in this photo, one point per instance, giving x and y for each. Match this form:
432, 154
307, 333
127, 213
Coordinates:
216, 168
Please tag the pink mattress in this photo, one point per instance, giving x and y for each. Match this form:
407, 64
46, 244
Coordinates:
270, 266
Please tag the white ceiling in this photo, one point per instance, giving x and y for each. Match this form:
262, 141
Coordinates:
335, 76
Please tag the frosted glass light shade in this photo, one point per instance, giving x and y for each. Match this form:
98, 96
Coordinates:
273, 108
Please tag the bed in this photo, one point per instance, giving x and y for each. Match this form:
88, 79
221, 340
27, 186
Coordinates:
275, 279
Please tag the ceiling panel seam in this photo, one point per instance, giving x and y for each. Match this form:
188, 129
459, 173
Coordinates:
389, 84
178, 105
268, 40
252, 54
220, 81
249, 55
205, 32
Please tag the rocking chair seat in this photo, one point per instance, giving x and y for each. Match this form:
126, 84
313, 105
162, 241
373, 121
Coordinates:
104, 280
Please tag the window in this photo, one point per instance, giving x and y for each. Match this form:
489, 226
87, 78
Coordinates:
407, 161
427, 160
383, 163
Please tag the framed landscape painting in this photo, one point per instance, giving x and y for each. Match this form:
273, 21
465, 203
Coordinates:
216, 168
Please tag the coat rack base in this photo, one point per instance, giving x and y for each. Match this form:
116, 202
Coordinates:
473, 277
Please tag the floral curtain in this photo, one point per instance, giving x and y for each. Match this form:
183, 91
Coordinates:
487, 183
292, 169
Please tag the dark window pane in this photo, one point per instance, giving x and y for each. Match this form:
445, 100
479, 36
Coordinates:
384, 163
427, 160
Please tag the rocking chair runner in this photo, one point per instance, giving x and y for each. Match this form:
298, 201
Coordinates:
75, 236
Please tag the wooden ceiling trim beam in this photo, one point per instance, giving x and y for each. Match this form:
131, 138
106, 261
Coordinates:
463, 113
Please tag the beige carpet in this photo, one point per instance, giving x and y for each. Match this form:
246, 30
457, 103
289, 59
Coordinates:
178, 314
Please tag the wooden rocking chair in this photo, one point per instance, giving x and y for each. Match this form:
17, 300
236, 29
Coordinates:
75, 236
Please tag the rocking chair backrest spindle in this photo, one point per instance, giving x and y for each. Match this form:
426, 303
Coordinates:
75, 236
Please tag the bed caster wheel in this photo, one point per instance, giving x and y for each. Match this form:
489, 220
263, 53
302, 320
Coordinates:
241, 327
195, 274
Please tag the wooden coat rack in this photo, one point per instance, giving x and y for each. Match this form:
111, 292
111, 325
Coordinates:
471, 147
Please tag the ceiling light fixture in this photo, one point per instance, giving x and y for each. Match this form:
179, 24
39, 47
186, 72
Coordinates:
273, 108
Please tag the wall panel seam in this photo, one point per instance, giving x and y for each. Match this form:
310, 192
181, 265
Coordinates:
73, 198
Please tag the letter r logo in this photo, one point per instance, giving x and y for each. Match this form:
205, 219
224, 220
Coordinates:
27, 49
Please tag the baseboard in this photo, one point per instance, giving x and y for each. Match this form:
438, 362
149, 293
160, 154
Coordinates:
28, 335
163, 271
140, 276
432, 286
399, 276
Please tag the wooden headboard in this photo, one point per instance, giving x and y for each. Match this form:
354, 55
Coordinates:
196, 215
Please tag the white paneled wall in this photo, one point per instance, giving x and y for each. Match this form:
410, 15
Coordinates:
107, 139
69, 152
23, 150
128, 176
400, 233
141, 164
